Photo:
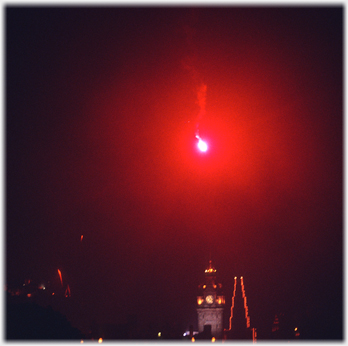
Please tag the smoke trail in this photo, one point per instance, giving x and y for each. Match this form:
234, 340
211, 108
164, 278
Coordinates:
201, 97
191, 62
201, 91
201, 101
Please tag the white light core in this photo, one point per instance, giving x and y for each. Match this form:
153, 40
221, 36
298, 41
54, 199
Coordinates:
202, 146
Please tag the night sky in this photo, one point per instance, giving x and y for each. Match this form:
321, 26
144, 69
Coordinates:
102, 106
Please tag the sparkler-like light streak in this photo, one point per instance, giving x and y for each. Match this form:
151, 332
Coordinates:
60, 277
247, 318
245, 303
67, 292
234, 294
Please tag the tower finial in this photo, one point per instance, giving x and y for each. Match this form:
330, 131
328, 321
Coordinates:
210, 269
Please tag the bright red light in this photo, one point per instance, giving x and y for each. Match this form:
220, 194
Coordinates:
202, 146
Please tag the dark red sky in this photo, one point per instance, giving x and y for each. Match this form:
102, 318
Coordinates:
101, 112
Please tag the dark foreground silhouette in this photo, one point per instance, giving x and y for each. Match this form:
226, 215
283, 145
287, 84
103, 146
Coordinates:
30, 321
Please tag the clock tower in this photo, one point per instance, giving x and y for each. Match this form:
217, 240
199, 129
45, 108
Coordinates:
210, 304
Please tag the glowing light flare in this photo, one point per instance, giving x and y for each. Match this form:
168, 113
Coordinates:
202, 146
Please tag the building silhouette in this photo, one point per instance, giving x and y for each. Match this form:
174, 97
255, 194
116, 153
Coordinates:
210, 309
210, 306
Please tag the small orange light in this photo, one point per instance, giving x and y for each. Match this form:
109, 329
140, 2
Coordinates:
29, 295
100, 340
212, 339
193, 339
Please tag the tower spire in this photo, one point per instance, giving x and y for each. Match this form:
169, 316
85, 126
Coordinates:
210, 304
210, 269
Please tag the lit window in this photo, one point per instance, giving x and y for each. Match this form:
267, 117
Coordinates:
200, 300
